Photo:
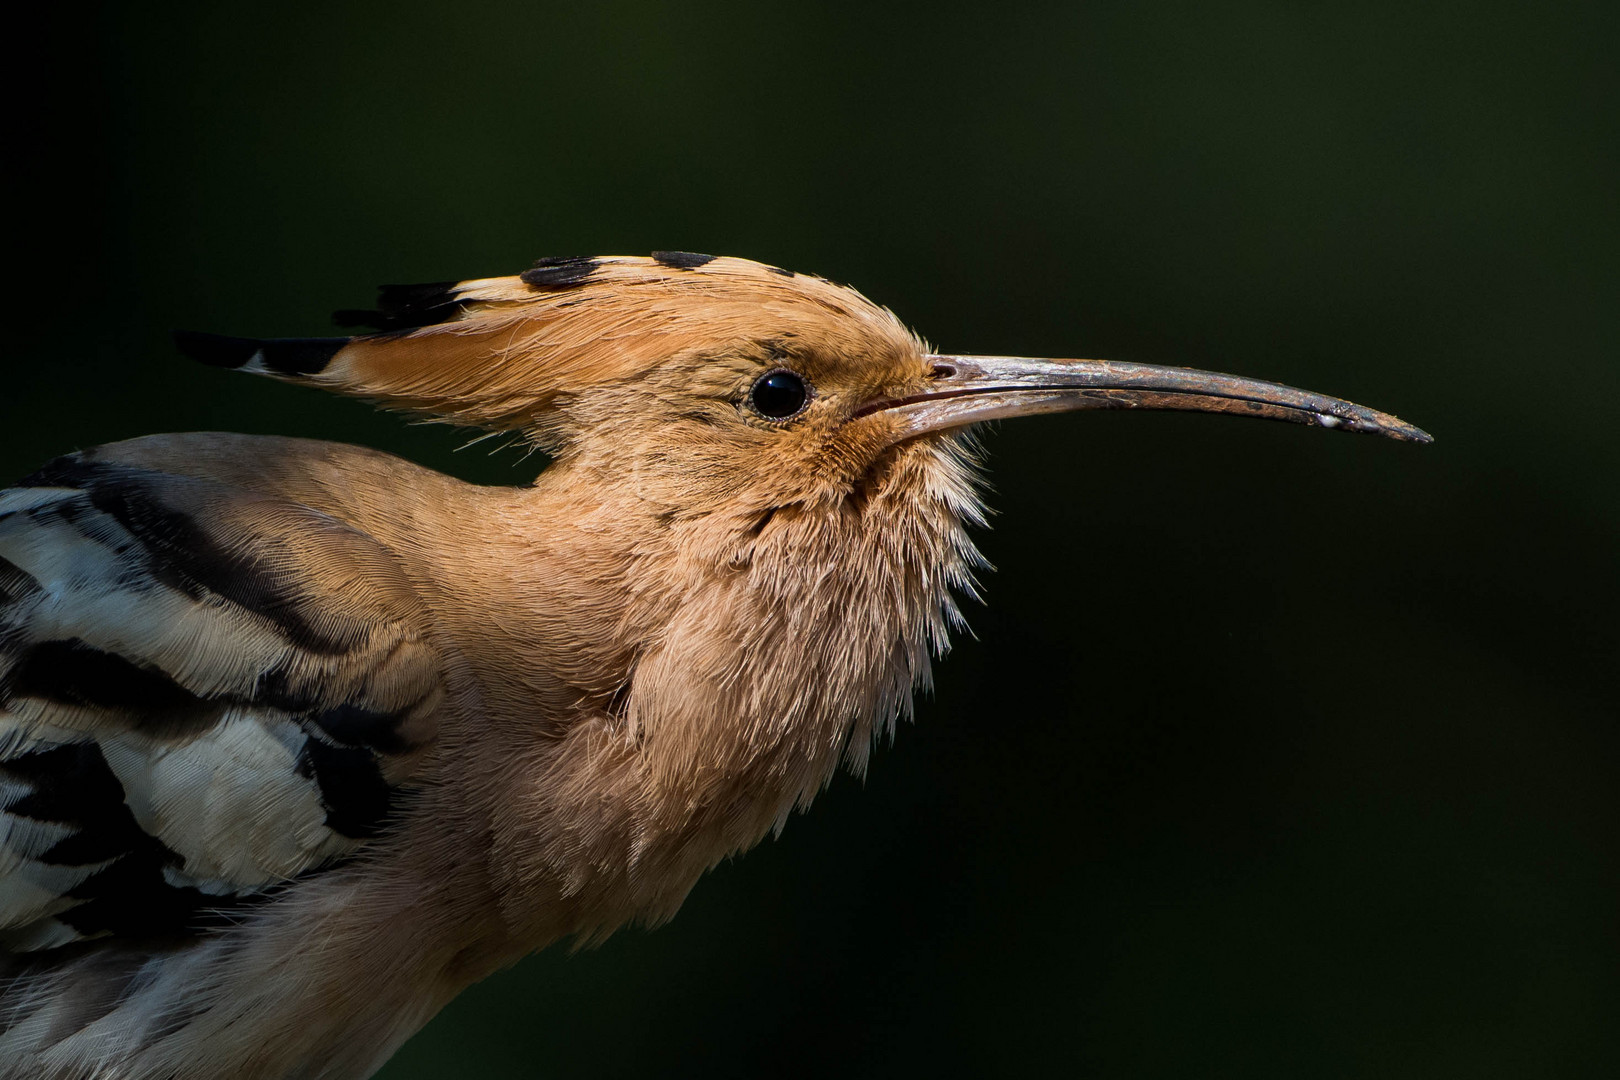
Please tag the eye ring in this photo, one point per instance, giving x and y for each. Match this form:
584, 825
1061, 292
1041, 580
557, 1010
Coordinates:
780, 394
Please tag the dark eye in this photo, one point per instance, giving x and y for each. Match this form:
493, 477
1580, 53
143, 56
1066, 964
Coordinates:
779, 394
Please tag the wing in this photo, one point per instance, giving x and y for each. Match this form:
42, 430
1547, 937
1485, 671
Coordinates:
204, 693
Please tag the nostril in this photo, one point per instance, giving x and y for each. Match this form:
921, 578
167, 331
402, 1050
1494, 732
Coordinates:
941, 371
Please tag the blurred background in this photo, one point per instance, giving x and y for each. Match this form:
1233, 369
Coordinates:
1274, 752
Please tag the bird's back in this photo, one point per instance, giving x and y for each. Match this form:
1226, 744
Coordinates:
209, 691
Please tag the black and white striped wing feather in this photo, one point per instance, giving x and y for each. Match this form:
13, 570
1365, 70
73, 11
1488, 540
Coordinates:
204, 693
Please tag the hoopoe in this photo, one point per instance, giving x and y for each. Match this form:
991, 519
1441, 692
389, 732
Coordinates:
299, 739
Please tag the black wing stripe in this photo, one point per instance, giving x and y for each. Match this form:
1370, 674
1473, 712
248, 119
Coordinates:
183, 555
67, 784
15, 583
73, 673
356, 796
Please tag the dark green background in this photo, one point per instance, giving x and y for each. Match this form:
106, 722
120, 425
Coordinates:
1277, 752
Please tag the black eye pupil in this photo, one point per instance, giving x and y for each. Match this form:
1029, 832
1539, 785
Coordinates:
779, 394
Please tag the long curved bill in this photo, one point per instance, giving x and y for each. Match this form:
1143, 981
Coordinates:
971, 389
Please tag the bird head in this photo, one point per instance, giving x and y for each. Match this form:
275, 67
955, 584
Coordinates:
718, 383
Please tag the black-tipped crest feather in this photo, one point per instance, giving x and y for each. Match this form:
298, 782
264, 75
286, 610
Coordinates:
407, 307
274, 356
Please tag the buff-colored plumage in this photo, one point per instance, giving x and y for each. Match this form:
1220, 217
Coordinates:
298, 740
